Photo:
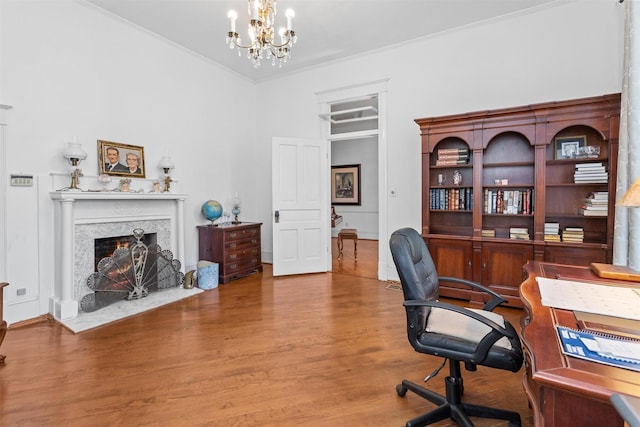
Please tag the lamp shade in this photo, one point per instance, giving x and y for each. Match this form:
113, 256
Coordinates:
632, 197
166, 163
74, 151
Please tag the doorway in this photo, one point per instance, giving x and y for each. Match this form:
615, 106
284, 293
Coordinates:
354, 131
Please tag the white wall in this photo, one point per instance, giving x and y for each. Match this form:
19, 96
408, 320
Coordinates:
563, 51
68, 69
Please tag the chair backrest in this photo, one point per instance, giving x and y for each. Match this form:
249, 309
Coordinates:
415, 267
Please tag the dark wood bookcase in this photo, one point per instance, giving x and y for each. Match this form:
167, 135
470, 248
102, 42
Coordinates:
512, 152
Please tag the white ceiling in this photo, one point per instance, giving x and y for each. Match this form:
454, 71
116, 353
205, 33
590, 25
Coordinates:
327, 30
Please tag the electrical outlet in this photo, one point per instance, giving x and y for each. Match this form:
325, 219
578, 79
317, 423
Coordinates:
21, 180
21, 291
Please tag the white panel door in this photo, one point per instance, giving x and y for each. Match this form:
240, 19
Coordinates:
299, 200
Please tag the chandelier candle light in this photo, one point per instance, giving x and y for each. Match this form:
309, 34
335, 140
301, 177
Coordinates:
262, 34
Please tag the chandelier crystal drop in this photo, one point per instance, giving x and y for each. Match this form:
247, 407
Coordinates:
262, 36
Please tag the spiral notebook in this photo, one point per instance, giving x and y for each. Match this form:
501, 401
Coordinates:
607, 349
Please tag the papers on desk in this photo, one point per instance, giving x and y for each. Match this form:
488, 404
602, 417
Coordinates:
599, 348
614, 301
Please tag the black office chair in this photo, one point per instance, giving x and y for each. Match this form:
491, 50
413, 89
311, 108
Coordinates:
475, 337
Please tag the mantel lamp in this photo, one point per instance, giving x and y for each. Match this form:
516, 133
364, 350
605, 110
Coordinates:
631, 198
74, 153
166, 165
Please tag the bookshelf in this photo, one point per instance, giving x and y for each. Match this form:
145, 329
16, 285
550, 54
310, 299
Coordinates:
491, 180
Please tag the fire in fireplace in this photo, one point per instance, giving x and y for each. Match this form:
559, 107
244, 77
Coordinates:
106, 246
131, 271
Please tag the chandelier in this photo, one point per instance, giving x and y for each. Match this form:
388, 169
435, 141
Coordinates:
262, 36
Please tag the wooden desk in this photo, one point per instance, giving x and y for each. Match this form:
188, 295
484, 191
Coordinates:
563, 390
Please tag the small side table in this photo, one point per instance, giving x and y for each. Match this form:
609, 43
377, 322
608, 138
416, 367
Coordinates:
345, 234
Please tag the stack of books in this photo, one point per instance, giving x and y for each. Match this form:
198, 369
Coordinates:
551, 232
488, 233
519, 233
573, 234
596, 204
590, 173
452, 156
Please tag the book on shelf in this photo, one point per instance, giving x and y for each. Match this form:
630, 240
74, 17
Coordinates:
598, 195
593, 212
453, 150
552, 226
588, 173
589, 166
595, 165
595, 202
451, 162
519, 233
551, 232
511, 202
573, 234
488, 232
452, 156
451, 198
596, 207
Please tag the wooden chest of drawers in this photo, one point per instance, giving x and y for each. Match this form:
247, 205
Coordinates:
235, 247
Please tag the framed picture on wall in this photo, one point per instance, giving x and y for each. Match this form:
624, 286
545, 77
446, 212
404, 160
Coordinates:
119, 159
345, 185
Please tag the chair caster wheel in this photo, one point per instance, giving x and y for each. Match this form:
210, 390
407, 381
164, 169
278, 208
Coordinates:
401, 390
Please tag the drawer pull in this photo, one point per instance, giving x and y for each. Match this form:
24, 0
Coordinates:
233, 245
233, 266
233, 256
234, 234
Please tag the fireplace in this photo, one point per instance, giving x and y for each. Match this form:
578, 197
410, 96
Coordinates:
82, 217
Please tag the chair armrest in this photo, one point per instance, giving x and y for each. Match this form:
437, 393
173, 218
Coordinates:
451, 307
496, 299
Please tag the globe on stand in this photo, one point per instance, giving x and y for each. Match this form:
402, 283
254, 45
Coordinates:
211, 210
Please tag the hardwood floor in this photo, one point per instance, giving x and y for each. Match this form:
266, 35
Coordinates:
365, 266
312, 350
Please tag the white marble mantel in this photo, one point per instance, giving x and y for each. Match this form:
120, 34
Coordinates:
76, 208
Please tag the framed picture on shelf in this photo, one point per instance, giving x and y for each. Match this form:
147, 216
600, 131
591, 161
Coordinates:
119, 159
570, 147
345, 185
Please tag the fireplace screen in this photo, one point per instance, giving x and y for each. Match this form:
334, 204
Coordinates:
131, 272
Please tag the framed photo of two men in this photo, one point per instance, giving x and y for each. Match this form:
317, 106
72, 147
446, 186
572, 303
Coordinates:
119, 159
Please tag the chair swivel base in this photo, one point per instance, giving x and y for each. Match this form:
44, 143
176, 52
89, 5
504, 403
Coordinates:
451, 406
